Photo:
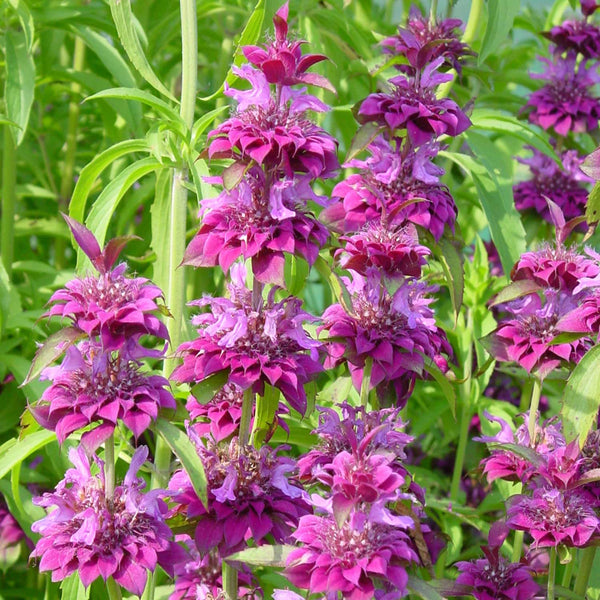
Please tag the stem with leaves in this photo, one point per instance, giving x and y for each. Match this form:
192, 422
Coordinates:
365, 384
585, 570
551, 574
536, 392
9, 182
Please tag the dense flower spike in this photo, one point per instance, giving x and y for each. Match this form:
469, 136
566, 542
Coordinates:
565, 187
93, 386
348, 559
397, 331
260, 221
393, 189
258, 344
249, 495
424, 40
413, 106
565, 103
121, 537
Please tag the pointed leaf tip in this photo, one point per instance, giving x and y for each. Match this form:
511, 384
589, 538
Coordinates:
85, 240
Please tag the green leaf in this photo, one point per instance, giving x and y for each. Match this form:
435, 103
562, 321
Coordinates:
105, 205
445, 385
93, 169
159, 105
185, 451
581, 397
266, 409
592, 208
516, 289
451, 259
124, 21
490, 120
26, 21
73, 589
268, 556
423, 589
501, 14
496, 201
205, 390
362, 138
249, 36
51, 349
16, 451
20, 82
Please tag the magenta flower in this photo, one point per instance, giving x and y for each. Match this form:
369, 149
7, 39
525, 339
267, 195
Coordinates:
393, 188
554, 517
526, 335
282, 61
350, 559
11, 534
565, 187
566, 102
257, 344
413, 106
585, 318
391, 249
588, 7
581, 37
121, 537
396, 331
423, 40
95, 387
261, 222
249, 496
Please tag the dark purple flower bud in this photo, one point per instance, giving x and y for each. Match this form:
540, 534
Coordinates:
580, 37
589, 7
121, 537
258, 345
565, 103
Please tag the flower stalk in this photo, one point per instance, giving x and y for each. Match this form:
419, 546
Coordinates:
109, 466
585, 570
536, 392
113, 589
551, 574
366, 382
9, 181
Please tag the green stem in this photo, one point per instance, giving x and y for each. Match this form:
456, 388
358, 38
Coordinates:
433, 10
109, 467
518, 545
68, 168
568, 573
247, 405
9, 199
230, 581
585, 569
464, 392
551, 573
365, 384
471, 30
536, 392
113, 589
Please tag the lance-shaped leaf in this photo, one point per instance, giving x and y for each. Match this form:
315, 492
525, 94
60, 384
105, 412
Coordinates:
266, 408
514, 290
51, 349
267, 556
592, 208
362, 138
529, 454
205, 390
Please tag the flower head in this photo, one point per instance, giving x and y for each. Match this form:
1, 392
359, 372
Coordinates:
121, 537
249, 495
581, 37
589, 7
412, 105
257, 344
565, 187
565, 103
396, 331
96, 387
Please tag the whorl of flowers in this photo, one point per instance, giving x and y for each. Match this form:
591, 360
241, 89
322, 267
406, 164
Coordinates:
423, 40
396, 331
493, 577
393, 188
581, 37
257, 344
565, 187
123, 536
250, 495
565, 104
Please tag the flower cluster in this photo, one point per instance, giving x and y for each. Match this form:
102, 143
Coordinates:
558, 504
262, 213
122, 535
366, 532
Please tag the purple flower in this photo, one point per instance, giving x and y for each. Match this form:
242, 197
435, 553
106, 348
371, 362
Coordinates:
424, 40
588, 7
92, 386
282, 61
393, 188
396, 331
585, 318
580, 37
526, 335
413, 106
121, 537
258, 221
554, 517
565, 187
257, 344
11, 534
249, 495
391, 249
350, 558
566, 102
